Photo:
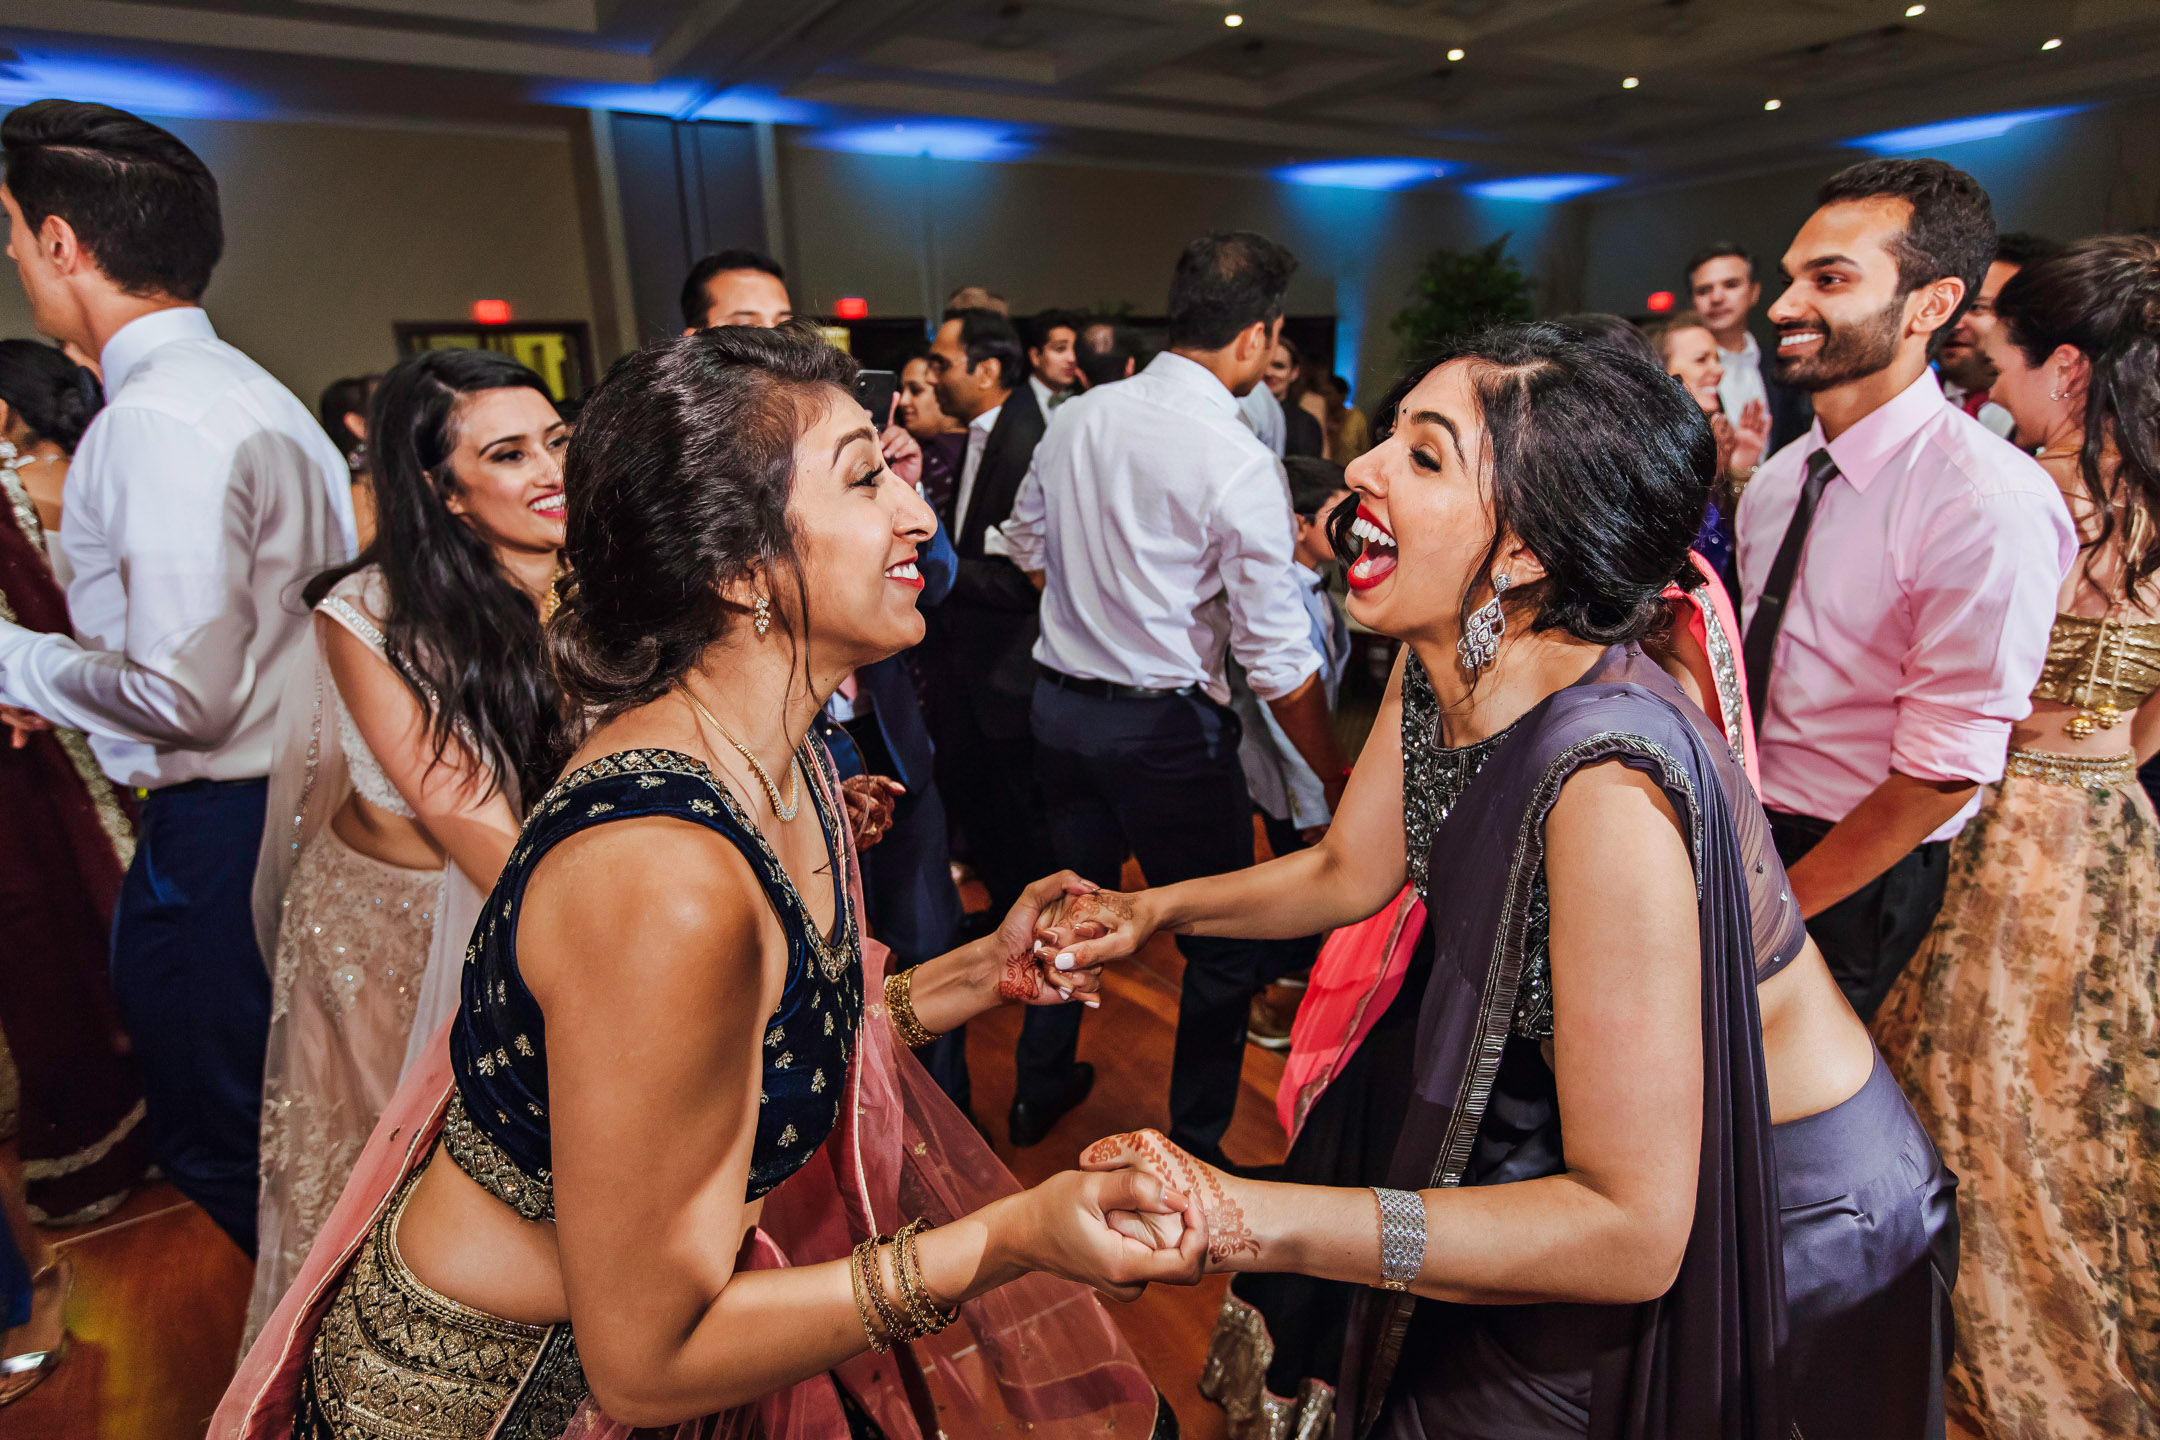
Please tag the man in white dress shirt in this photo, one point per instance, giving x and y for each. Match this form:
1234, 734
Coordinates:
1053, 357
202, 496
1161, 527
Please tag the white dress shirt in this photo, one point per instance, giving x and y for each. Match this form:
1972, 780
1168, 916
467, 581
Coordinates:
978, 440
1262, 414
1920, 613
202, 497
1743, 378
1276, 775
1045, 397
1162, 526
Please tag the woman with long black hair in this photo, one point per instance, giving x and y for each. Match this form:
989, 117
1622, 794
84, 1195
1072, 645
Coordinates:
1617, 1159
406, 751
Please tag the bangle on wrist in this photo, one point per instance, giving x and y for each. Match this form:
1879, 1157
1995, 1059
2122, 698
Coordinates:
900, 1009
1402, 1237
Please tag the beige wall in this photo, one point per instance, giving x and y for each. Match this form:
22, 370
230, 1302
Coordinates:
334, 231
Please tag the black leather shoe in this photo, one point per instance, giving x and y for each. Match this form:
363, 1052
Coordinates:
1029, 1123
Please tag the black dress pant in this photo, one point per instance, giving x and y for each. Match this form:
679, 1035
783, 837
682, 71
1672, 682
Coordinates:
1867, 937
991, 796
1158, 779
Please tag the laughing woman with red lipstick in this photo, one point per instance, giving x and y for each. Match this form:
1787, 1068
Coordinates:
1616, 1158
406, 742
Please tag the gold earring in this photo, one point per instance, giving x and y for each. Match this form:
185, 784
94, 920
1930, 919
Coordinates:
761, 615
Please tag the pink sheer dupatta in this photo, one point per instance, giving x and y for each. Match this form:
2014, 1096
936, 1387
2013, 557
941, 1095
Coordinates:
1360, 969
1041, 1352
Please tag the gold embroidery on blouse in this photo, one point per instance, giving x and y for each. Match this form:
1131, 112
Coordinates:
2105, 667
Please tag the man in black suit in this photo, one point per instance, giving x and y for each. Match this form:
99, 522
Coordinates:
983, 636
1724, 291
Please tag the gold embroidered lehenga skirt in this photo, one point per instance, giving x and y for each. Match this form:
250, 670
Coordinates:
2025, 1034
352, 945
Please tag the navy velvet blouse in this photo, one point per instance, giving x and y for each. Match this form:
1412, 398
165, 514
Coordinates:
497, 1128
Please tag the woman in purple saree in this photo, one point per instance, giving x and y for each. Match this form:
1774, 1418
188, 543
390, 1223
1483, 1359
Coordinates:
1621, 1160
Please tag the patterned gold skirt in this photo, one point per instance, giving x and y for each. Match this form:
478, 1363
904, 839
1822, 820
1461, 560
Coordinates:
2027, 1036
396, 1360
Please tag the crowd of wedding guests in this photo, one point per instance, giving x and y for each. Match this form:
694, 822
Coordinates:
1728, 978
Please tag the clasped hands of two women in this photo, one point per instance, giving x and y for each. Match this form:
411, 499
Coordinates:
1169, 1217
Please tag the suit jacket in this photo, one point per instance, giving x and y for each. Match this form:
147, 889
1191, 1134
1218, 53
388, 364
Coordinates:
1791, 411
983, 636
892, 689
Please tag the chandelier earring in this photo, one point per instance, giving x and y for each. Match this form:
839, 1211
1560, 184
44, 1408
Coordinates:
1480, 641
761, 616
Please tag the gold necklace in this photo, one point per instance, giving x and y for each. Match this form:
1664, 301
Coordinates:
786, 812
2060, 452
551, 599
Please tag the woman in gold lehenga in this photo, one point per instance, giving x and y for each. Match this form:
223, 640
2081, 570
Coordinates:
2025, 1030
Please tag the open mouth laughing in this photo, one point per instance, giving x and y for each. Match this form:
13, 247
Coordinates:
548, 507
907, 573
1378, 558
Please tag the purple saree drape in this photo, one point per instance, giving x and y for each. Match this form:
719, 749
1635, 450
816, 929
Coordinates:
1705, 1360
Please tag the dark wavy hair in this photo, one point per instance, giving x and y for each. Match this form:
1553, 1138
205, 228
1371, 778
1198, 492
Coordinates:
464, 639
2102, 297
52, 395
1599, 463
679, 477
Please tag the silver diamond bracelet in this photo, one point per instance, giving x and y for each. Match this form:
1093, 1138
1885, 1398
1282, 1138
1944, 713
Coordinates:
1402, 1237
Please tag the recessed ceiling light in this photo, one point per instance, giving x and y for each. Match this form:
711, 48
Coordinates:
1914, 11
1630, 83
2051, 45
1773, 104
1454, 54
1233, 21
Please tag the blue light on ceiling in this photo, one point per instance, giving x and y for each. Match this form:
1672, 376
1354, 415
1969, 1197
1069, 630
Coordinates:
938, 139
1540, 189
1956, 132
749, 102
671, 98
124, 84
1363, 174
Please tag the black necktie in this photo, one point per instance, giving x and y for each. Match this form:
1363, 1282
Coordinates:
1762, 633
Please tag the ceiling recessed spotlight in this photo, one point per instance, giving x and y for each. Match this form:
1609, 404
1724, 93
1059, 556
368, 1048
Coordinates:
2051, 45
1630, 83
1233, 21
1454, 54
1913, 12
1773, 104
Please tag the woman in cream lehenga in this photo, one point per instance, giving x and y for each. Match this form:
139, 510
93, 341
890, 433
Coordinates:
2026, 1029
405, 743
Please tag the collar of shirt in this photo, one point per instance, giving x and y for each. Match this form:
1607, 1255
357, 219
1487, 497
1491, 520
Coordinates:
980, 427
1191, 375
1045, 397
132, 343
1749, 353
1862, 451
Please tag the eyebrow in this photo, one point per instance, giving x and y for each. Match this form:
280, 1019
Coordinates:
1822, 260
1434, 417
865, 433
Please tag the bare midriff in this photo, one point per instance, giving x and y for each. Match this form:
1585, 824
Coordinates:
393, 839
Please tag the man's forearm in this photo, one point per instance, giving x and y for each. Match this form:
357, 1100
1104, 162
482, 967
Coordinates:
1882, 829
1303, 715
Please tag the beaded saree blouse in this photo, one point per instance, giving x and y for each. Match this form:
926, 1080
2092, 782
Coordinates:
497, 1126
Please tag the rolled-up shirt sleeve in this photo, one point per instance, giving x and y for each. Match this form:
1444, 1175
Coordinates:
1982, 609
1270, 629
178, 670
1024, 528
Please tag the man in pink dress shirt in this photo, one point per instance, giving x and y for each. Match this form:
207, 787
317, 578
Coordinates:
1899, 566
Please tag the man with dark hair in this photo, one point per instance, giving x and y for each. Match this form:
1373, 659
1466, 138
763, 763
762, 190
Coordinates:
735, 287
1899, 567
202, 496
977, 656
1967, 373
1160, 526
1053, 368
1106, 352
1723, 289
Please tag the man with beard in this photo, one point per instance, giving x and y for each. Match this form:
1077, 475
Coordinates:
1899, 567
1965, 369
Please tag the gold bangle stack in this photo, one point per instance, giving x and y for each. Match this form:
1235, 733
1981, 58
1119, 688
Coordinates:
900, 1009
884, 1323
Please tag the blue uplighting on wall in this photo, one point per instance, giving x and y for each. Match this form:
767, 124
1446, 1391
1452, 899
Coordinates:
1956, 132
938, 139
125, 84
749, 102
1540, 189
1363, 174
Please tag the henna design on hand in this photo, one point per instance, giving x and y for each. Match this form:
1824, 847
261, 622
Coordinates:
1019, 980
1228, 1233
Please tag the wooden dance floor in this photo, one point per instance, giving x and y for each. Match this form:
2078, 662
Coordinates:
160, 1293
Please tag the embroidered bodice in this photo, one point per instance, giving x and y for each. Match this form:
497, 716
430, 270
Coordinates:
2094, 662
361, 766
497, 1129
1435, 778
